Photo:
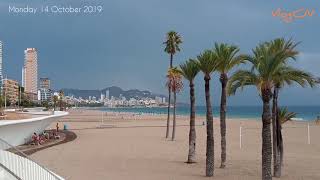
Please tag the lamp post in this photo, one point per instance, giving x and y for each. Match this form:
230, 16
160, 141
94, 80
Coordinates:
19, 100
5, 98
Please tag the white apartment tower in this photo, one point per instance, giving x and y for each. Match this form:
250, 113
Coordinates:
102, 97
30, 71
107, 94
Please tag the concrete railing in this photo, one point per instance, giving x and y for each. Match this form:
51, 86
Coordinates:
20, 166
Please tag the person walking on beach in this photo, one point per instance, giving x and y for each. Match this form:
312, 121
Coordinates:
57, 127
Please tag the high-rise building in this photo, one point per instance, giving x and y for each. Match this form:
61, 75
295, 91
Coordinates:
163, 100
107, 94
30, 71
44, 83
102, 97
1, 76
44, 92
44, 95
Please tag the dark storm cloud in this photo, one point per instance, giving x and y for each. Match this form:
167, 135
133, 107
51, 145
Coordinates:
123, 45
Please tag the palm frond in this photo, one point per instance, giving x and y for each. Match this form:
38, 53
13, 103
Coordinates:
174, 79
288, 75
284, 115
227, 57
207, 62
173, 41
189, 69
240, 79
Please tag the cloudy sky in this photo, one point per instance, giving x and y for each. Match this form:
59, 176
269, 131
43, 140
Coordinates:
123, 45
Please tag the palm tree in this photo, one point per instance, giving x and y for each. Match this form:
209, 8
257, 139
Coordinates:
1, 106
175, 84
286, 75
227, 59
207, 64
283, 116
189, 71
264, 68
55, 101
61, 94
284, 50
173, 40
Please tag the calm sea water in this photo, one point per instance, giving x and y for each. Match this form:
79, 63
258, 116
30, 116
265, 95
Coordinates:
305, 112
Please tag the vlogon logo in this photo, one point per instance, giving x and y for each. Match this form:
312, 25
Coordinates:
290, 16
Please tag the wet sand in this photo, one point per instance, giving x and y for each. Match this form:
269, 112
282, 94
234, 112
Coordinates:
127, 147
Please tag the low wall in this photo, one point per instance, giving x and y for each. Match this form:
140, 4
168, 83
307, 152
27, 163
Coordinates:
17, 132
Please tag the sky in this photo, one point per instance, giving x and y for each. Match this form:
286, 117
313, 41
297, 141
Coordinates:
123, 45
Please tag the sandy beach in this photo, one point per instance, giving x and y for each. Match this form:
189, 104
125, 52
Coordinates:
126, 147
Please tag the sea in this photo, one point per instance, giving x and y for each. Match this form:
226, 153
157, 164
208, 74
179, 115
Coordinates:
305, 113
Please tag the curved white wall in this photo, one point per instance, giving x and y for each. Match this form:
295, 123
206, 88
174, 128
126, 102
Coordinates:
17, 132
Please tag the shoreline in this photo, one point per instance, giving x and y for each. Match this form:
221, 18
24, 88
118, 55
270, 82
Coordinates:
231, 117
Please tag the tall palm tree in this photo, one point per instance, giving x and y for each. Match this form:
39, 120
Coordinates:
61, 94
173, 41
55, 101
285, 76
175, 84
227, 58
207, 64
264, 68
189, 71
284, 50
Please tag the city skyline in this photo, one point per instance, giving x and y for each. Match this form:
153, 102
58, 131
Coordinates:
87, 52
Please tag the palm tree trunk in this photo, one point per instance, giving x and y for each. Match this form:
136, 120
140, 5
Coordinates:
281, 147
169, 102
279, 142
266, 136
210, 139
223, 109
60, 104
192, 132
174, 116
275, 133
168, 115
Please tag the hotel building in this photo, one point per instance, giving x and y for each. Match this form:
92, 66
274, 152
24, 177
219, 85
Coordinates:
30, 71
44, 83
44, 92
11, 90
44, 95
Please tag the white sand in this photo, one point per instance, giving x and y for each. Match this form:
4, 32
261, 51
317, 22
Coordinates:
137, 149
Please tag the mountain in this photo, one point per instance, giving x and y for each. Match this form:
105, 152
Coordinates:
113, 91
